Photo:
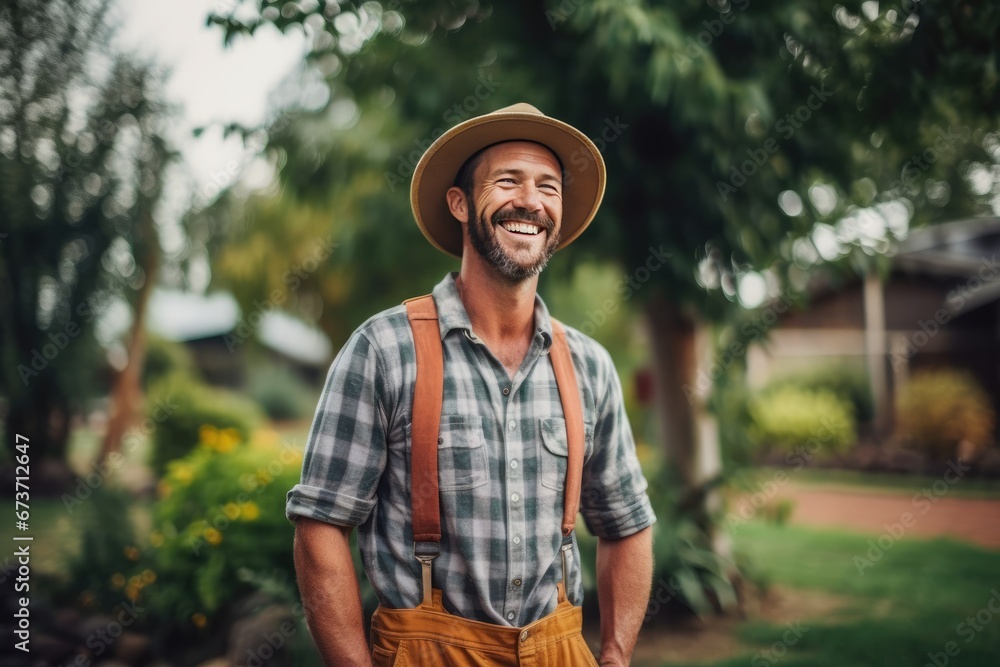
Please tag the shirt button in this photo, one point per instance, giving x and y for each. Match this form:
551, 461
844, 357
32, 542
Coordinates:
515, 497
517, 539
510, 616
524, 636
506, 390
512, 425
513, 464
517, 582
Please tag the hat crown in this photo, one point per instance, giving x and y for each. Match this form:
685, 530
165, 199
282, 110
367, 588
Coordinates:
520, 107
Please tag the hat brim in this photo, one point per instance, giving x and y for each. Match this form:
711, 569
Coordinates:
583, 172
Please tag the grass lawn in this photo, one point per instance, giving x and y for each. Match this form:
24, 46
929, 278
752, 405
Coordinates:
920, 598
874, 482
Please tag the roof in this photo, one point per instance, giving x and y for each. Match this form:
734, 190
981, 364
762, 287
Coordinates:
187, 316
953, 249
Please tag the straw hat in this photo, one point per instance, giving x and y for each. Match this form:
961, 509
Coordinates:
583, 170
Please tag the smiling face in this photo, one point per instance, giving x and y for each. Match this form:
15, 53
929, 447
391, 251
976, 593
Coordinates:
514, 209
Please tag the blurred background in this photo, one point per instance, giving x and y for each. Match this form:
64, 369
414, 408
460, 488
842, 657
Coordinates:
199, 201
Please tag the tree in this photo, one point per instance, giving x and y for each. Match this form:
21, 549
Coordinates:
731, 133
82, 158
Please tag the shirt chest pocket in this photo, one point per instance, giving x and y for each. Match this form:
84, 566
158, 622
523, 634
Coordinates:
555, 451
463, 462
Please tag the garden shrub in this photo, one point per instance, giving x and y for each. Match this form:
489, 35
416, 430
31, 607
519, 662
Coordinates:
219, 524
789, 416
194, 405
111, 567
165, 358
938, 410
845, 381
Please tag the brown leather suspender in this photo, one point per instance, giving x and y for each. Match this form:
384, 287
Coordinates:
426, 421
569, 396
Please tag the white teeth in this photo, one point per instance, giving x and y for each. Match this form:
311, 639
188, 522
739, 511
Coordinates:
521, 227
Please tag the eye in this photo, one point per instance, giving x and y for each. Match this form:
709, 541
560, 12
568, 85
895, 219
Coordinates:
506, 179
549, 186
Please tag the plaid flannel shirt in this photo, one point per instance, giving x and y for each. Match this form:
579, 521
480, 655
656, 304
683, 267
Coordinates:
501, 464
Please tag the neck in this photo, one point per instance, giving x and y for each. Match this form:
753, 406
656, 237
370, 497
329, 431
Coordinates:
499, 310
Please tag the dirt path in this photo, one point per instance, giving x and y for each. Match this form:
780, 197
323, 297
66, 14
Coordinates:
933, 514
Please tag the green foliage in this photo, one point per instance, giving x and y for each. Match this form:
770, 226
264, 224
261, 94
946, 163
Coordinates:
683, 107
788, 416
219, 525
165, 358
110, 567
778, 512
82, 159
687, 571
845, 381
279, 391
938, 410
194, 407
730, 404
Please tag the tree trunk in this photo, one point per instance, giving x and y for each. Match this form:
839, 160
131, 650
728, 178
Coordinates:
690, 436
126, 394
674, 357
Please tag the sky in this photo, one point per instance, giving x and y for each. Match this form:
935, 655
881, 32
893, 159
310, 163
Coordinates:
212, 85
210, 82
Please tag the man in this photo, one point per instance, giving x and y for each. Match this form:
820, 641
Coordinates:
470, 549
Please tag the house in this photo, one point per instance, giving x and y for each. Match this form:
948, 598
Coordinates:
212, 328
938, 307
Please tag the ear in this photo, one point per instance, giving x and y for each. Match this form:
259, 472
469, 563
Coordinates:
458, 204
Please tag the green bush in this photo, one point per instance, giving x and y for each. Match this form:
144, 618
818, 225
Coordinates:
219, 526
730, 403
194, 406
788, 416
847, 382
937, 410
111, 567
164, 358
282, 393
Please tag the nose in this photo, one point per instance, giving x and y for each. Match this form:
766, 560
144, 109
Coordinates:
528, 197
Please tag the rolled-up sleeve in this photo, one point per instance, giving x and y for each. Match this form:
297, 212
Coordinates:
346, 450
613, 502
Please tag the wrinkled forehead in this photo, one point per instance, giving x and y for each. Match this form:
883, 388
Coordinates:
511, 152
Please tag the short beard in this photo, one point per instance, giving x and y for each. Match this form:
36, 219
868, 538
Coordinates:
484, 239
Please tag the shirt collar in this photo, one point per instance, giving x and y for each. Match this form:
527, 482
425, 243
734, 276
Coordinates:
452, 313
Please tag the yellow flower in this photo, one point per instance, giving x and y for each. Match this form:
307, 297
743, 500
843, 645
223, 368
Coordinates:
208, 435
199, 620
231, 510
131, 553
148, 577
133, 592
212, 536
228, 439
117, 580
250, 511
156, 538
184, 474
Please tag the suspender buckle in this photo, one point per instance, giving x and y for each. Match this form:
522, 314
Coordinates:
426, 552
567, 545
